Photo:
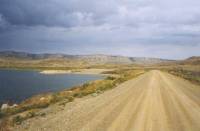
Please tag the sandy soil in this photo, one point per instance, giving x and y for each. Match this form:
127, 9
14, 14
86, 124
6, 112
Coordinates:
155, 101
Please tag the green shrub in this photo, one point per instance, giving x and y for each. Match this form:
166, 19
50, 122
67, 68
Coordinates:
105, 86
84, 86
55, 98
23, 116
43, 114
110, 78
70, 98
79, 95
17, 120
2, 114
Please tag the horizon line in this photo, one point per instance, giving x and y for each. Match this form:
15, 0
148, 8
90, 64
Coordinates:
61, 53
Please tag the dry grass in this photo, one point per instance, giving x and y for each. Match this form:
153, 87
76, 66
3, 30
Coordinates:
192, 76
5, 125
188, 72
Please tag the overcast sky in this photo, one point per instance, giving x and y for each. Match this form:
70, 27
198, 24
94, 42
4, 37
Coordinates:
150, 28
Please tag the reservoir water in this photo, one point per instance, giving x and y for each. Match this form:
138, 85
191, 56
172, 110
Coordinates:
17, 85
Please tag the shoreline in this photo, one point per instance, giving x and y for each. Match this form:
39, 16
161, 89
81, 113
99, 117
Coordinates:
92, 71
54, 72
80, 71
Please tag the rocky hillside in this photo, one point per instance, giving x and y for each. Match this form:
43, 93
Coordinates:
194, 60
11, 58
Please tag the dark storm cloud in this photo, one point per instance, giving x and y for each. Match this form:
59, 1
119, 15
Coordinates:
54, 12
88, 12
128, 27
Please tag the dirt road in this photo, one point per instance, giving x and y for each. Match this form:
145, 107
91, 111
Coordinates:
155, 101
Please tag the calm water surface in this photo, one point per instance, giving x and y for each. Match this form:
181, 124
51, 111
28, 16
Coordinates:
17, 85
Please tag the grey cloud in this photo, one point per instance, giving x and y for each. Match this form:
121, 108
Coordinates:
89, 26
55, 13
3, 22
71, 13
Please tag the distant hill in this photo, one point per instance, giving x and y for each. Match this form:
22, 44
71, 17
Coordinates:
194, 60
11, 58
24, 55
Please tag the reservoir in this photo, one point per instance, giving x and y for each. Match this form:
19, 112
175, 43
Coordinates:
17, 85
